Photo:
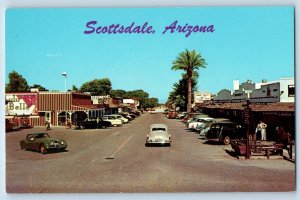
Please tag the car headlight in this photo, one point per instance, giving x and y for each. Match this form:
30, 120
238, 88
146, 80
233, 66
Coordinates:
52, 143
62, 142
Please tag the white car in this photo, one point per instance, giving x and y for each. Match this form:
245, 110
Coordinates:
125, 120
114, 121
192, 125
195, 118
158, 134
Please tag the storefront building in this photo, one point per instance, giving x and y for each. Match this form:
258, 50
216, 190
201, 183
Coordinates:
57, 107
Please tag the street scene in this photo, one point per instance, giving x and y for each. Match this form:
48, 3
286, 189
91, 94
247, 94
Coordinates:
150, 100
188, 165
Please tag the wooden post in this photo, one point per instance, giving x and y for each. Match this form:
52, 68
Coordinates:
247, 113
291, 151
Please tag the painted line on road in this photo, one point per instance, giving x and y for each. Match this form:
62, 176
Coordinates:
120, 147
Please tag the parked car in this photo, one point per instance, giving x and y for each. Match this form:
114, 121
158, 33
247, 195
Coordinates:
10, 125
125, 120
112, 120
172, 114
126, 115
158, 134
92, 123
25, 122
42, 142
204, 128
152, 111
181, 115
192, 125
194, 119
225, 132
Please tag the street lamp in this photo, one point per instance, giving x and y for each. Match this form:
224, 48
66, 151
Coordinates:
65, 75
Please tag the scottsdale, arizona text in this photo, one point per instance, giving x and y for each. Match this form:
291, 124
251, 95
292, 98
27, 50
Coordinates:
146, 28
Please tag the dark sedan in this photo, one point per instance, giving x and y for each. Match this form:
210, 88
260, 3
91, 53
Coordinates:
92, 124
225, 132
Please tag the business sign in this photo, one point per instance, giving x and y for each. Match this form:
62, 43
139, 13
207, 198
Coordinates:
21, 104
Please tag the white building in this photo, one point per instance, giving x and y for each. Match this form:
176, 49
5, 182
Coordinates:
282, 90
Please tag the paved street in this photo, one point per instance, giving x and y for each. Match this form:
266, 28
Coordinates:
189, 165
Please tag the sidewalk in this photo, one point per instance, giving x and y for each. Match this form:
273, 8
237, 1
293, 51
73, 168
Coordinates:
285, 154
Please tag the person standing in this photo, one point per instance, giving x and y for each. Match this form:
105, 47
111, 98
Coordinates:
47, 124
262, 127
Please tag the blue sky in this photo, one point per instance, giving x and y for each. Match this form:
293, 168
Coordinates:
248, 43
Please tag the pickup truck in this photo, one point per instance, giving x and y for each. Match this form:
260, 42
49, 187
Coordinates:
92, 124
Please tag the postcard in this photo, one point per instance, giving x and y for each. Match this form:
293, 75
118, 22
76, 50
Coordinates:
150, 100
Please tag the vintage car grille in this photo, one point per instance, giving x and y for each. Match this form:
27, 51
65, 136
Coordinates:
55, 144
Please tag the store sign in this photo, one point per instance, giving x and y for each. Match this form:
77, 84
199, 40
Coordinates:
21, 104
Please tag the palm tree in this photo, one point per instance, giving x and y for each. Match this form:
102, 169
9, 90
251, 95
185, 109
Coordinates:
189, 61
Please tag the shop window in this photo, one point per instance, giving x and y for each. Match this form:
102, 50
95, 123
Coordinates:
291, 90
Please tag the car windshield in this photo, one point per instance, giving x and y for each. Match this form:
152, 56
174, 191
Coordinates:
217, 126
158, 129
42, 135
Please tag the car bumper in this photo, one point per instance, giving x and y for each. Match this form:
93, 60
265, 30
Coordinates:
57, 147
213, 139
158, 142
201, 137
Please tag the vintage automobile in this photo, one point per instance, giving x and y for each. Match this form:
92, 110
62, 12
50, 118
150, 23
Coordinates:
204, 128
192, 125
10, 125
181, 115
225, 132
125, 120
193, 119
42, 142
158, 134
114, 121
126, 115
92, 124
172, 115
153, 111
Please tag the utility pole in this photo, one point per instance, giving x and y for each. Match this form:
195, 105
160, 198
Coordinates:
65, 75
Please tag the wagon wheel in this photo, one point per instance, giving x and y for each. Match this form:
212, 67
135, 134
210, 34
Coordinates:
43, 149
103, 126
226, 140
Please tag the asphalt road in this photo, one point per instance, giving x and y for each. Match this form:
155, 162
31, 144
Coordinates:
189, 165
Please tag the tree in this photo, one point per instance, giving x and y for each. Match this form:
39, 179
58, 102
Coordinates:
178, 96
16, 83
97, 86
140, 95
189, 61
152, 102
41, 88
74, 88
117, 93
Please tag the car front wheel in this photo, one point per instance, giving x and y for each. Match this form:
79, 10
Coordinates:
226, 140
43, 149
